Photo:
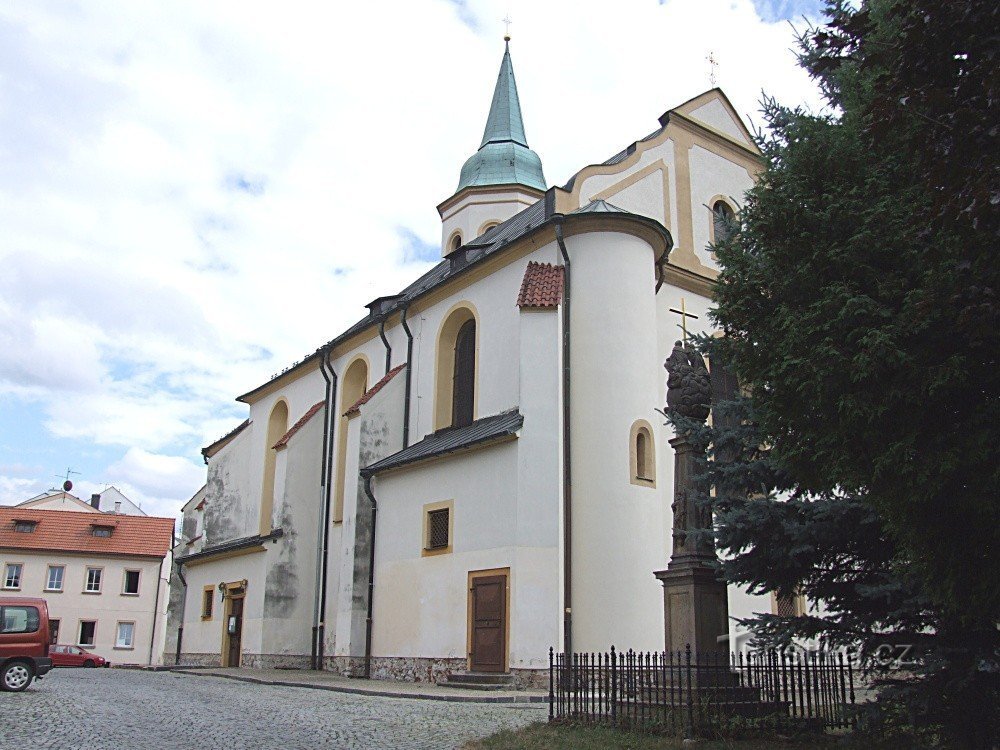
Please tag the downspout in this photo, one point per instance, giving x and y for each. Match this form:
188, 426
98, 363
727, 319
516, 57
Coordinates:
567, 454
388, 349
180, 628
371, 579
409, 375
326, 470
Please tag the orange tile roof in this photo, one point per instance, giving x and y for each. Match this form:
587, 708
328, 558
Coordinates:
298, 425
72, 531
542, 285
356, 407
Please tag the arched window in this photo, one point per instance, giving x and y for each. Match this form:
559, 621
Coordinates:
723, 219
455, 242
277, 426
455, 395
354, 385
464, 380
642, 455
487, 227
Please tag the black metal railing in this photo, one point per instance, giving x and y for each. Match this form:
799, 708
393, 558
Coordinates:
703, 693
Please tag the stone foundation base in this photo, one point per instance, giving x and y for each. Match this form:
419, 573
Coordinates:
249, 661
424, 669
200, 660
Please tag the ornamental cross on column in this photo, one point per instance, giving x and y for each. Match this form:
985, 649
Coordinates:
684, 316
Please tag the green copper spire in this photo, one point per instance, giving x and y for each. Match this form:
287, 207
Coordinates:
503, 157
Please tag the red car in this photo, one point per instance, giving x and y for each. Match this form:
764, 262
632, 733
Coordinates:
74, 656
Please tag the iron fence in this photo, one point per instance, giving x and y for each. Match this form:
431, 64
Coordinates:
703, 693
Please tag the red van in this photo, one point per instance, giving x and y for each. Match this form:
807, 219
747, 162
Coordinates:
24, 641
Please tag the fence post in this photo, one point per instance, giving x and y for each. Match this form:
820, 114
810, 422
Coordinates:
614, 686
689, 715
551, 686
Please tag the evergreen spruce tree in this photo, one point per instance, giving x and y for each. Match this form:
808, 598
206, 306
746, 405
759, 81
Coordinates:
858, 296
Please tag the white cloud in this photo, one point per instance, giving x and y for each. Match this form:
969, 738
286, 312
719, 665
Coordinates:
197, 194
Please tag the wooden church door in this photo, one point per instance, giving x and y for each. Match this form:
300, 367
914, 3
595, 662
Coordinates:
489, 623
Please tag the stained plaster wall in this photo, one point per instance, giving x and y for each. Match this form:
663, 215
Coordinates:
231, 508
373, 434
290, 584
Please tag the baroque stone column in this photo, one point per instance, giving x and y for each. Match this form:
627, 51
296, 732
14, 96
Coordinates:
695, 607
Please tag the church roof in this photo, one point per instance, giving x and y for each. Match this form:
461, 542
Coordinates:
503, 157
542, 286
452, 440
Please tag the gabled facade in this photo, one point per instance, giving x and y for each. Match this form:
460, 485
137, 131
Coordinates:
475, 471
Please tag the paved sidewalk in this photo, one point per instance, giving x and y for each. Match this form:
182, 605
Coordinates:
316, 680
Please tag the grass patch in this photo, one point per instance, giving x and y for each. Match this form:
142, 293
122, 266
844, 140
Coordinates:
544, 736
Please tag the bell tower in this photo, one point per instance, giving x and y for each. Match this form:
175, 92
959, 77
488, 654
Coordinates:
502, 178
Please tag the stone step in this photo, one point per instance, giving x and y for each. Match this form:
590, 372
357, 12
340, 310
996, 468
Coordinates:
478, 681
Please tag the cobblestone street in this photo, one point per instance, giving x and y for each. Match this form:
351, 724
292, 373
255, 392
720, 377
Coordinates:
111, 709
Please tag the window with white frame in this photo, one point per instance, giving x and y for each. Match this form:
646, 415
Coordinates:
54, 580
12, 576
93, 581
124, 635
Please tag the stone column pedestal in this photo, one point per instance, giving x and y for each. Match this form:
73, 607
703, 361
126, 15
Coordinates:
695, 605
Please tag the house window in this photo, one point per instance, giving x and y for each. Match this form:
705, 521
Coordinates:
53, 631
54, 580
93, 581
465, 375
12, 576
24, 527
437, 528
642, 455
723, 219
88, 633
124, 635
131, 583
789, 606
207, 597
102, 531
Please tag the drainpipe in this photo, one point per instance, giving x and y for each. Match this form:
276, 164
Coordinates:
388, 349
180, 628
371, 579
409, 375
326, 470
567, 454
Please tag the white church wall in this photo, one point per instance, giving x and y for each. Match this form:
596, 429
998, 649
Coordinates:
711, 176
233, 499
618, 527
715, 115
346, 618
479, 207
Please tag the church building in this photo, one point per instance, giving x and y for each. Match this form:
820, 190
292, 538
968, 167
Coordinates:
475, 471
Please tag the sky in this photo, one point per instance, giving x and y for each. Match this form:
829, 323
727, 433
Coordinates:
195, 195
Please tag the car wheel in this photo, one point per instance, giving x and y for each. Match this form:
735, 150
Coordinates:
16, 676
89, 663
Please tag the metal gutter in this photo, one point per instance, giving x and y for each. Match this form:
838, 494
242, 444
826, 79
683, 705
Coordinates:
236, 544
326, 470
409, 374
567, 448
371, 578
385, 342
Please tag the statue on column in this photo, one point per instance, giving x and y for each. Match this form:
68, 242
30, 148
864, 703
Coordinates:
689, 387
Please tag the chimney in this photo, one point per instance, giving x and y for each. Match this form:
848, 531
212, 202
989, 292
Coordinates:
118, 507
95, 501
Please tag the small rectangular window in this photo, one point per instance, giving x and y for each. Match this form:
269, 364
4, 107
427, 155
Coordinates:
123, 638
19, 620
207, 597
24, 527
12, 576
131, 583
93, 580
102, 531
88, 633
54, 581
437, 528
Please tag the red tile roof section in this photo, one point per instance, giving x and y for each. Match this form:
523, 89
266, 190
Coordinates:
72, 531
210, 450
542, 286
298, 425
356, 407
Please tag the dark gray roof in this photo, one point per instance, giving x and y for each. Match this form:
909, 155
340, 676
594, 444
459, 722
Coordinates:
600, 207
235, 544
452, 440
617, 158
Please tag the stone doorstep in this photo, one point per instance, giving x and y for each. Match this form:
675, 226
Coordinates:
478, 681
380, 692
